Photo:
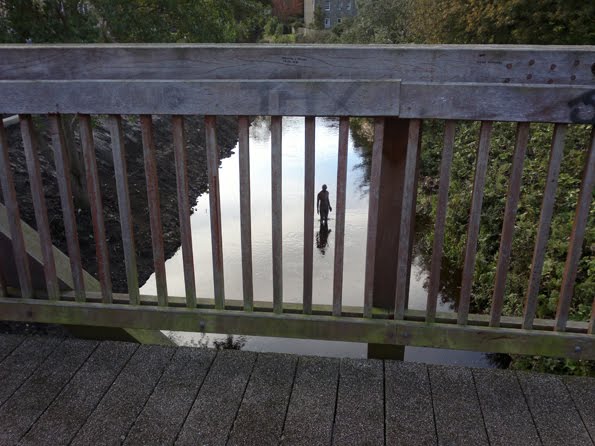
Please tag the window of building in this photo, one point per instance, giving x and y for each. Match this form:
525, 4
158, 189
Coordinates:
327, 22
348, 7
339, 20
327, 5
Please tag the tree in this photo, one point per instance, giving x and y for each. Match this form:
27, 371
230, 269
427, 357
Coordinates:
379, 22
51, 21
565, 22
318, 18
165, 20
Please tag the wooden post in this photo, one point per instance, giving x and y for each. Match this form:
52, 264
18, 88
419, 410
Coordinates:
394, 153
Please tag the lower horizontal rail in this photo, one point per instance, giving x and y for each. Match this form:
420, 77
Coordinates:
351, 329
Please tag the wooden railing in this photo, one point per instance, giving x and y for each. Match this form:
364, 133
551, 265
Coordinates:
397, 86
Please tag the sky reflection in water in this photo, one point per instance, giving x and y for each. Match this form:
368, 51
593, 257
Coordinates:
356, 216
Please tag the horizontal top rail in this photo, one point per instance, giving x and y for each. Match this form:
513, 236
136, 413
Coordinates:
420, 63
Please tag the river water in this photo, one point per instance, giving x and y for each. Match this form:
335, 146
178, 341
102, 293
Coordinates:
356, 217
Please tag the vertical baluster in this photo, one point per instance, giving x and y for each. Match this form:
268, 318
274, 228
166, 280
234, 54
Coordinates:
154, 208
215, 205
14, 218
576, 238
514, 193
184, 209
591, 329
481, 166
70, 228
245, 213
438, 244
3, 290
94, 192
340, 216
277, 203
39, 206
547, 209
374, 192
310, 148
115, 124
407, 212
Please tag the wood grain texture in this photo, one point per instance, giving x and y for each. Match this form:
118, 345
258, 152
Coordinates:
420, 63
407, 212
184, 209
3, 289
340, 216
349, 329
216, 97
245, 211
31, 148
575, 248
497, 102
394, 157
480, 320
150, 163
215, 210
277, 206
299, 97
547, 209
95, 202
514, 193
309, 193
440, 224
118, 151
14, 218
63, 175
373, 194
591, 329
481, 165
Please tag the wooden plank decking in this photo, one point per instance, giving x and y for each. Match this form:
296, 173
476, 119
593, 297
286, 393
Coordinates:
56, 391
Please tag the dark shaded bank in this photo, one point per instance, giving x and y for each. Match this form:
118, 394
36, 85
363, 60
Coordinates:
197, 174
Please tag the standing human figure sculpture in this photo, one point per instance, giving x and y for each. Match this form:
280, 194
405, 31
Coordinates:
323, 205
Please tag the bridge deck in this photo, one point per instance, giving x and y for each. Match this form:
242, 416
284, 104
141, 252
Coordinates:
65, 391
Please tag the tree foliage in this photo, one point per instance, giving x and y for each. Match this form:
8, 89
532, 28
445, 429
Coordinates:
568, 22
379, 22
132, 20
318, 18
49, 21
564, 22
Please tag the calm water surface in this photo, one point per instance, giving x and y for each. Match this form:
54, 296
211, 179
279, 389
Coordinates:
356, 217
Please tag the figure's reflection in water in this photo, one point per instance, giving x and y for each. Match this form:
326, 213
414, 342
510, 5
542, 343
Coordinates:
322, 237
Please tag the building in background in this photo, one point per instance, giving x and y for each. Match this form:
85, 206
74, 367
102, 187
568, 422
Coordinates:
333, 11
285, 9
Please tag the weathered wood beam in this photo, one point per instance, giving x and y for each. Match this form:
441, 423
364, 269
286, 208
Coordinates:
527, 64
481, 320
184, 208
498, 102
206, 97
340, 216
460, 100
380, 331
245, 210
14, 217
